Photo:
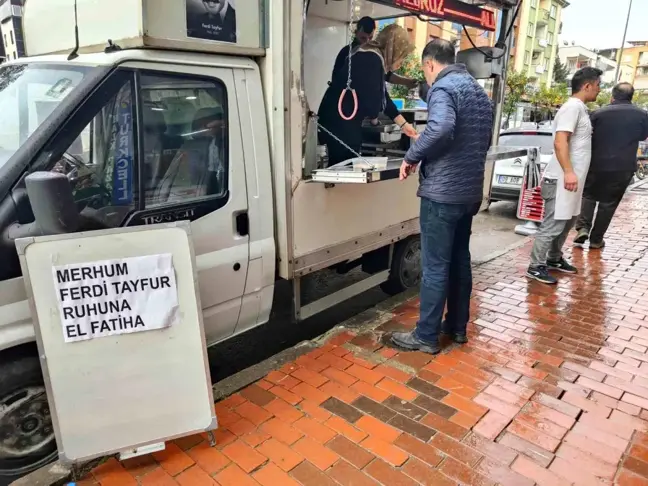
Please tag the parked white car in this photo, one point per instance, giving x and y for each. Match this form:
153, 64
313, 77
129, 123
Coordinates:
508, 173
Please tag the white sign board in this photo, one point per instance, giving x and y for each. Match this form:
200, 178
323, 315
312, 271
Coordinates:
112, 297
118, 324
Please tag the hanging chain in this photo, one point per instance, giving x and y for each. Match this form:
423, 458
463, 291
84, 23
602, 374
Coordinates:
329, 133
354, 8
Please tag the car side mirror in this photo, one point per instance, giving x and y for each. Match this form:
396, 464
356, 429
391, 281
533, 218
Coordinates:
52, 202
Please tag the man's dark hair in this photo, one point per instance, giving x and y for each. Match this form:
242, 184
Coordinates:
623, 92
441, 51
366, 25
584, 76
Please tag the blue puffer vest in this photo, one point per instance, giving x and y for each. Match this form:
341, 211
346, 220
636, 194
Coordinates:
452, 168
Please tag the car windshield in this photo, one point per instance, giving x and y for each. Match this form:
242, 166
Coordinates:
28, 95
545, 142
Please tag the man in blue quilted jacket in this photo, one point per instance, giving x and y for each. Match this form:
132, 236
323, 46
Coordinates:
452, 155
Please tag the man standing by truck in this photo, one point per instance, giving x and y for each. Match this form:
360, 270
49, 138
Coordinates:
618, 129
452, 154
564, 177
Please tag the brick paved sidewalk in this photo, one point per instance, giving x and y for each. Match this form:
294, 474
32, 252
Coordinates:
551, 390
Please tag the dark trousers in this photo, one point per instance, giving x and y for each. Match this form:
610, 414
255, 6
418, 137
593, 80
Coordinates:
447, 274
606, 189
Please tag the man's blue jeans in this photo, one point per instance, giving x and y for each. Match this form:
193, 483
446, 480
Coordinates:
447, 274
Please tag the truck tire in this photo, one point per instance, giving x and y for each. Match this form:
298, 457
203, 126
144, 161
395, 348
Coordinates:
405, 272
26, 432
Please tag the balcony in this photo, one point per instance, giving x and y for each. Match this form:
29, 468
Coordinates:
543, 17
540, 45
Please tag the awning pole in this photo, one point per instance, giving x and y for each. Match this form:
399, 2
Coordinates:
499, 85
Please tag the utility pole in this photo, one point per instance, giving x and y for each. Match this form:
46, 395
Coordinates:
625, 32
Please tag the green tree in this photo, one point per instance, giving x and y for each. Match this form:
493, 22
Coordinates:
547, 99
560, 71
516, 91
641, 99
411, 68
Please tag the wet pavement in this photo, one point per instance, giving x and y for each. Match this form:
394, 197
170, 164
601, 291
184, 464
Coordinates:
551, 390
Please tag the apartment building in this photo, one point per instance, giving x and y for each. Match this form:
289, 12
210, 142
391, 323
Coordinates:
536, 39
11, 28
634, 64
576, 57
423, 32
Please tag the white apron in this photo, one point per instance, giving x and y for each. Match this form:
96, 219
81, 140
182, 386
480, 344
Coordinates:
568, 204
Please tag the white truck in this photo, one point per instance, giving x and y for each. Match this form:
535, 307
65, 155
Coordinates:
129, 107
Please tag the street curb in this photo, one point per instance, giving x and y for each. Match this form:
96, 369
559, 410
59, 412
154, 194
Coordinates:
56, 474
637, 184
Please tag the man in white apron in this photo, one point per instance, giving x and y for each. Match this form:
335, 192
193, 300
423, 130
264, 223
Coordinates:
564, 177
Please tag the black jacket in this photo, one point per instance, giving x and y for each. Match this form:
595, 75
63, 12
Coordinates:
618, 129
342, 61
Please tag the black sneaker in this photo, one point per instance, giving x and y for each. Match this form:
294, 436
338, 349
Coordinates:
409, 341
562, 265
458, 338
541, 274
581, 237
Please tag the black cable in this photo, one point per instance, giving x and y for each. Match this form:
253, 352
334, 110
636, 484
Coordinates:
506, 36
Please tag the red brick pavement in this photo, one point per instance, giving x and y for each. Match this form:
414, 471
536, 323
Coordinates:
551, 390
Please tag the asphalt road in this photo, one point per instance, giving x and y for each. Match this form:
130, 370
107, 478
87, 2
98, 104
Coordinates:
492, 232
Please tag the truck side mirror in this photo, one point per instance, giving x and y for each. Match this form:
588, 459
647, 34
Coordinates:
52, 202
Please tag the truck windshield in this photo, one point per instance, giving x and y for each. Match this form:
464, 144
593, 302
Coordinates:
28, 95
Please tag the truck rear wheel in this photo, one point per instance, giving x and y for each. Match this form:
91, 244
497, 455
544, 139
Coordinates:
26, 432
405, 272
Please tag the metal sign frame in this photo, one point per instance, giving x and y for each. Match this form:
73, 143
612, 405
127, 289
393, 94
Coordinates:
450, 10
207, 419
531, 205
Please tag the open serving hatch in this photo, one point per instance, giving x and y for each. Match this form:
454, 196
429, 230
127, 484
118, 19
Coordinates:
351, 172
326, 25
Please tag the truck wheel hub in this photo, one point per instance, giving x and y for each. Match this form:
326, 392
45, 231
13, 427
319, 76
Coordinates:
25, 423
411, 267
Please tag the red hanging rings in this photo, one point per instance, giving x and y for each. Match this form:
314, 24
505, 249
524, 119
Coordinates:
355, 104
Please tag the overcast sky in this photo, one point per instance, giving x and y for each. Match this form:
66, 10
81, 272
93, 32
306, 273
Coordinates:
600, 23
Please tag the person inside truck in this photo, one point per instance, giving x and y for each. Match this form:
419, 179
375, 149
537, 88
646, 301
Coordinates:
370, 64
197, 169
159, 146
365, 29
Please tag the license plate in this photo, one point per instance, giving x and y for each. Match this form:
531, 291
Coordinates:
509, 180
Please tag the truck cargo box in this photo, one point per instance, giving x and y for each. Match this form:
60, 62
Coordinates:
221, 26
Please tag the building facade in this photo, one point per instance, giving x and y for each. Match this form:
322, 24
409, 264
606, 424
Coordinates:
11, 12
575, 57
423, 32
537, 28
634, 64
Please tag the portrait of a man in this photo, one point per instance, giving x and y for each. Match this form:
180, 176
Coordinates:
211, 20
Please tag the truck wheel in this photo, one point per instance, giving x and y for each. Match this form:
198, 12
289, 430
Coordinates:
26, 433
405, 270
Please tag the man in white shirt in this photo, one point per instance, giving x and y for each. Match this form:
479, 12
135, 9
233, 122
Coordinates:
564, 177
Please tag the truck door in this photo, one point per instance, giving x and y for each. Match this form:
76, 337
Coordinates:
163, 145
